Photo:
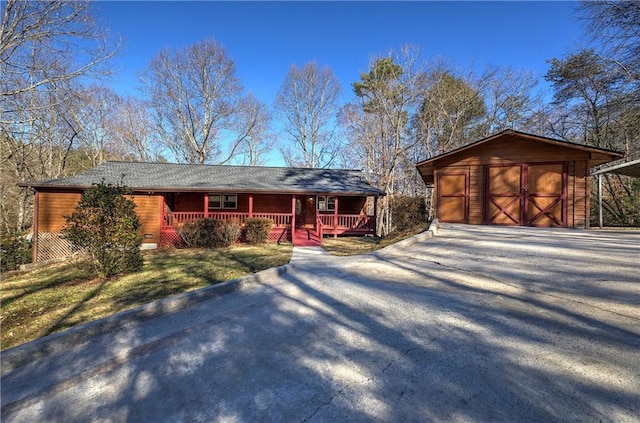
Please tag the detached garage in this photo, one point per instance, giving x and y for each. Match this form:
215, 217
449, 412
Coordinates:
514, 178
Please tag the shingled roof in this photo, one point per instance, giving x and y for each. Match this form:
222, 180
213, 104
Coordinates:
167, 177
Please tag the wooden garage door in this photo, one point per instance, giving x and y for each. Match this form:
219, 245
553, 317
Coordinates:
529, 194
453, 196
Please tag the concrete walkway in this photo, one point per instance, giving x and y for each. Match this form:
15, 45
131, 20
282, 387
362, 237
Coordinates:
476, 324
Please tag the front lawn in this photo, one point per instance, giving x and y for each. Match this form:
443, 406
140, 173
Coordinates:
57, 297
352, 245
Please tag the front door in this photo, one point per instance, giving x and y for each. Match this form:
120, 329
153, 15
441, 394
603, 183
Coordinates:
527, 194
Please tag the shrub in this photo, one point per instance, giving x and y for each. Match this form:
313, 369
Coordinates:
106, 225
408, 212
257, 229
190, 233
209, 233
14, 251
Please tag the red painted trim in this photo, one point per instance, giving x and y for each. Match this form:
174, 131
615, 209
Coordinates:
335, 216
206, 205
525, 197
250, 205
293, 219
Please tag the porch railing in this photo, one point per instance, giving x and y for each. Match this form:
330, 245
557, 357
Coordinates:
324, 222
173, 219
348, 221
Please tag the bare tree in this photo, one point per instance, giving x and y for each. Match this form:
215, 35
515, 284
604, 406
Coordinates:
46, 42
194, 93
252, 123
511, 102
307, 104
378, 124
45, 49
130, 129
615, 27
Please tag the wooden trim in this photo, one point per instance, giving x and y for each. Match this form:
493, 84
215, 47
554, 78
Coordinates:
467, 178
293, 218
335, 216
509, 132
206, 205
250, 205
36, 210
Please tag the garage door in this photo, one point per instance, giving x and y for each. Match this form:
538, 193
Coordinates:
529, 194
453, 196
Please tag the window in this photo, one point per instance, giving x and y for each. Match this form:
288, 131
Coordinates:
331, 203
322, 203
327, 203
215, 201
230, 201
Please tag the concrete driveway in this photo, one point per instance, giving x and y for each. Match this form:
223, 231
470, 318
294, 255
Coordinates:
476, 324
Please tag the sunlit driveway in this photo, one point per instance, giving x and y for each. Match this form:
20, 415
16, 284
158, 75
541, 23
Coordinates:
476, 324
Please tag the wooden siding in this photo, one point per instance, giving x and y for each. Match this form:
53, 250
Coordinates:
148, 209
581, 195
188, 202
53, 206
453, 194
271, 203
512, 150
351, 205
516, 151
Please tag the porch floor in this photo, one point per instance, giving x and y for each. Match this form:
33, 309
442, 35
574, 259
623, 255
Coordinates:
306, 237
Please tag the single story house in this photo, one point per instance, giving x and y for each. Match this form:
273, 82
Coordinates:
304, 204
514, 178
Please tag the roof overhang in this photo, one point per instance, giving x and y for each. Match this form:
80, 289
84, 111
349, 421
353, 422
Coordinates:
153, 190
597, 156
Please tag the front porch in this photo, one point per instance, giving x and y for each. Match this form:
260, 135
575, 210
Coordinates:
312, 217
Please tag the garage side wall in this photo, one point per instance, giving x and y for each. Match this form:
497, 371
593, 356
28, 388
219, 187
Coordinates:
512, 150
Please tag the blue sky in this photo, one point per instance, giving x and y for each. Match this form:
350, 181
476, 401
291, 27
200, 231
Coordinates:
265, 38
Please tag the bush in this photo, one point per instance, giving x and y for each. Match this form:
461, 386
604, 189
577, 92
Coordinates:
408, 212
190, 233
209, 233
14, 251
257, 229
106, 225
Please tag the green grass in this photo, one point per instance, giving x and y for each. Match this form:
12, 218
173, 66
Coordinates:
352, 245
47, 300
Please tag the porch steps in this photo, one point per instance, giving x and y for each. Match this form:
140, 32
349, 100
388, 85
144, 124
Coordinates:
303, 237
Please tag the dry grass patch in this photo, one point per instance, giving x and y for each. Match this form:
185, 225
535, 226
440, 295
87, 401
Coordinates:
53, 298
353, 245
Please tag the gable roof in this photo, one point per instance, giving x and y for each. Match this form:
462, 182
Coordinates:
598, 155
168, 177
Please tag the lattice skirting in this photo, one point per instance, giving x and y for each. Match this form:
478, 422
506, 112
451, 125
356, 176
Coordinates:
170, 238
53, 246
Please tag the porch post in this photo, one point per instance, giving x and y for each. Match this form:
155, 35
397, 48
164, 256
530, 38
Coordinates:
250, 205
335, 218
206, 205
375, 215
293, 217
34, 239
162, 208
600, 199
